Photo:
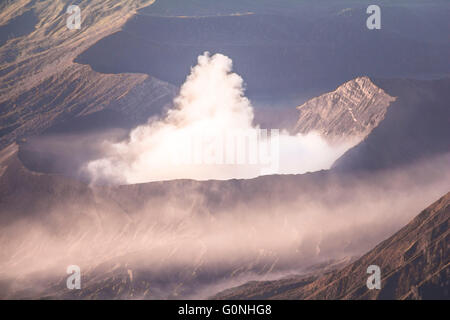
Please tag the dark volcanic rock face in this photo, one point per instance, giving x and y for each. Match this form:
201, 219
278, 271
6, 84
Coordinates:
414, 265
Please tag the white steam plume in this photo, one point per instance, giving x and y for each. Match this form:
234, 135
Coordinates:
211, 100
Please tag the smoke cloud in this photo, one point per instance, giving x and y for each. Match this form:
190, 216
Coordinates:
210, 134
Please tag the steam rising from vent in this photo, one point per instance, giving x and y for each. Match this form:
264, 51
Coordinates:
211, 108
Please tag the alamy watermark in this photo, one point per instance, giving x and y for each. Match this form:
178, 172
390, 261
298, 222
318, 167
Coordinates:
74, 19
374, 20
74, 280
374, 281
230, 147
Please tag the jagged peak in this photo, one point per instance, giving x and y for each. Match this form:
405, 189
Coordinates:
350, 112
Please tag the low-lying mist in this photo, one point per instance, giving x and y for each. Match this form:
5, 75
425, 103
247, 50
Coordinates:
188, 237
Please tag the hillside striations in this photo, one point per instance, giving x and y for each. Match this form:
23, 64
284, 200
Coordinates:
352, 111
40, 85
414, 264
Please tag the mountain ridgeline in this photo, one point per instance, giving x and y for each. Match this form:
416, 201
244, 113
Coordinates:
352, 111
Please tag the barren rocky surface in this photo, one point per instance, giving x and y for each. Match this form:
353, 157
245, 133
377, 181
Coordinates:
40, 85
352, 111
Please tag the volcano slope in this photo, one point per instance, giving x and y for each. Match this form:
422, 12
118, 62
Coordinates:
414, 264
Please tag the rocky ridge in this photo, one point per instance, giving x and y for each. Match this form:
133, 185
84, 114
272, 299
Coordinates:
40, 85
352, 111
